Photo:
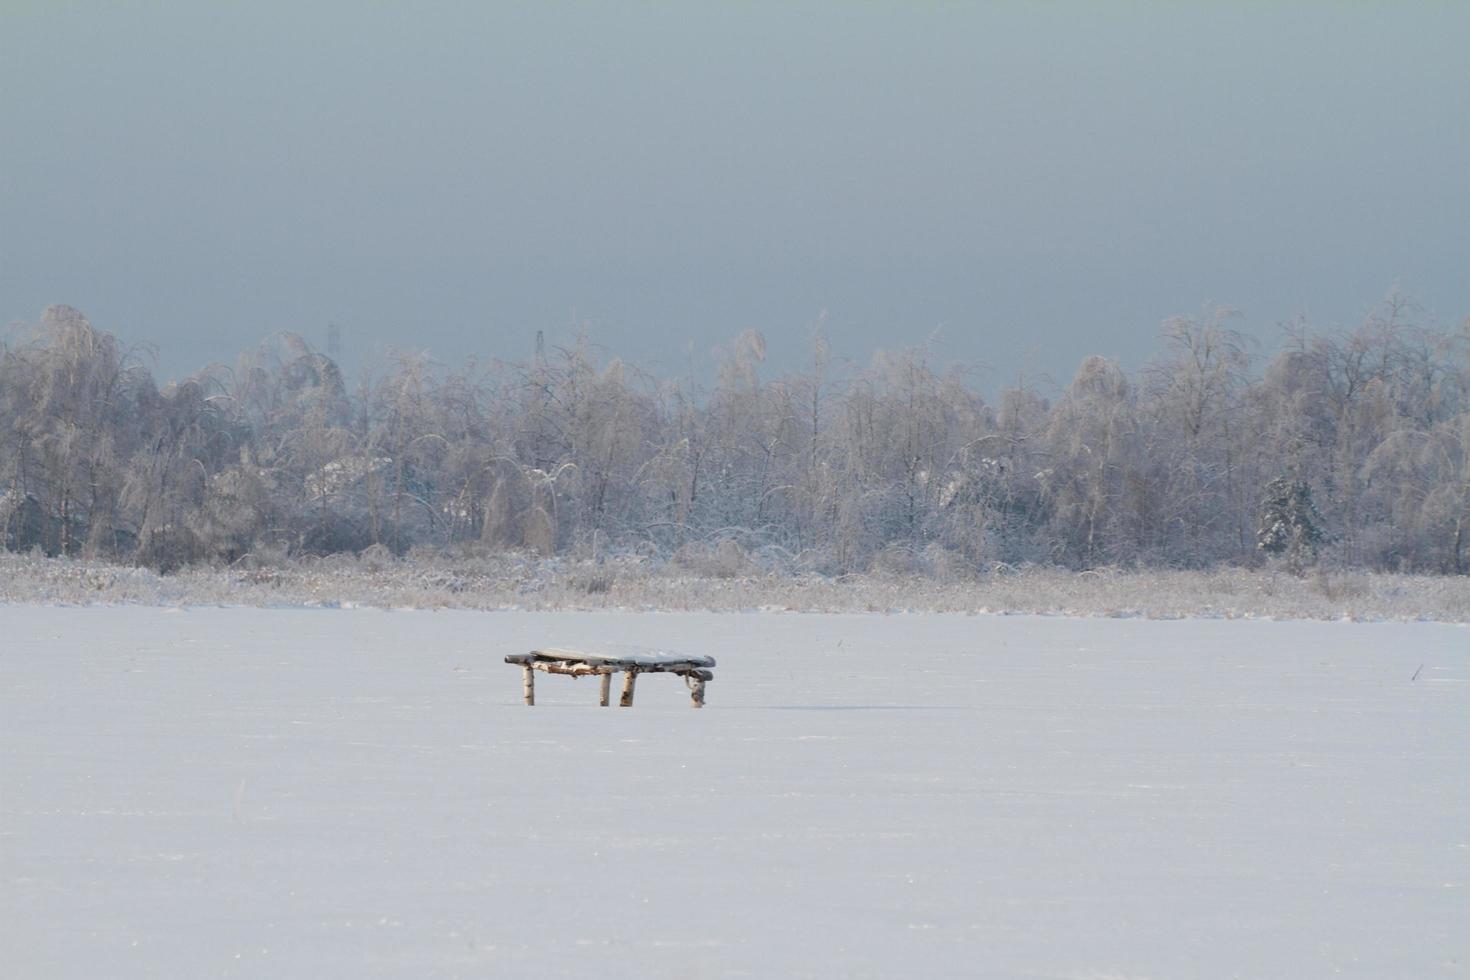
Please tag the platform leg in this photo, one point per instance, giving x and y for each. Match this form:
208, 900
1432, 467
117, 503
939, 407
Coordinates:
696, 691
605, 695
529, 684
630, 676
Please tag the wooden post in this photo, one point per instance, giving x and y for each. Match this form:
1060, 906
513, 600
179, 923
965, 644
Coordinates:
606, 692
629, 677
530, 684
696, 690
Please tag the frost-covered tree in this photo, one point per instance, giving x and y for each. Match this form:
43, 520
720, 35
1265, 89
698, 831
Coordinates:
70, 397
1196, 489
1290, 527
900, 465
1093, 453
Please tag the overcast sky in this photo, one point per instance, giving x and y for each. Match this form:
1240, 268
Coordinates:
1022, 184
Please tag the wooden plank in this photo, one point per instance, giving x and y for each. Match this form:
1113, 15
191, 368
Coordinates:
679, 669
574, 670
578, 668
641, 658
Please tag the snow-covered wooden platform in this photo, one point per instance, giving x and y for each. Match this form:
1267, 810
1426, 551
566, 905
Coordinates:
629, 661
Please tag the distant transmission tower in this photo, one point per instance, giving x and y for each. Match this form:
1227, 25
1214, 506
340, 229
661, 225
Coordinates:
334, 342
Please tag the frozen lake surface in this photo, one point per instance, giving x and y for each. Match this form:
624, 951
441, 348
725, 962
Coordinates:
281, 793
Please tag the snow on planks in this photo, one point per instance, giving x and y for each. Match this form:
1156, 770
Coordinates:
631, 661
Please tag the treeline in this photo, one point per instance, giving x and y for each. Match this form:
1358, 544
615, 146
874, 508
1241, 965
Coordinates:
896, 465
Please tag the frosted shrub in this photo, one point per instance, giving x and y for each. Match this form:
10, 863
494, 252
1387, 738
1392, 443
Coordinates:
596, 581
375, 557
897, 559
725, 559
1336, 586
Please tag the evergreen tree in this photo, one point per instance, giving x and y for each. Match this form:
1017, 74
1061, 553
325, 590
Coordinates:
1290, 526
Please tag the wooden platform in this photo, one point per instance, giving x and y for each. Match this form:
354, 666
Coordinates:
630, 662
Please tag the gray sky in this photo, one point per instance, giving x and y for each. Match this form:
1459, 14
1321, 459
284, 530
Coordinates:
1036, 181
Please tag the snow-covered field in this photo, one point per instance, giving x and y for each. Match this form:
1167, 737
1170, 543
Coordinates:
307, 793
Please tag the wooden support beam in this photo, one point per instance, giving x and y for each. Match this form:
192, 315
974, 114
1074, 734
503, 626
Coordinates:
696, 689
572, 670
529, 684
630, 677
605, 694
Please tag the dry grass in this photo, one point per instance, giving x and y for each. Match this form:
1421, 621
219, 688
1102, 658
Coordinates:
518, 581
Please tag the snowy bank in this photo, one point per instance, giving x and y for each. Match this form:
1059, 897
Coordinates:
518, 581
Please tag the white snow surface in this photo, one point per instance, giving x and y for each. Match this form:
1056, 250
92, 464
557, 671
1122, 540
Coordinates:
229, 792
